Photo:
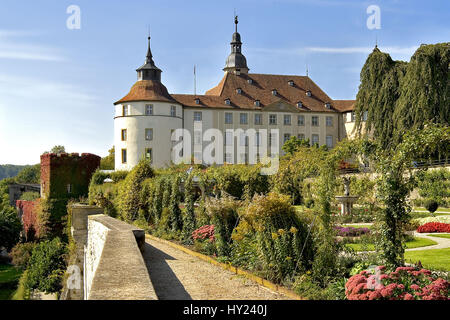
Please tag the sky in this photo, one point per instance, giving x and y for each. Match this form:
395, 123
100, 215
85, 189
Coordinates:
58, 84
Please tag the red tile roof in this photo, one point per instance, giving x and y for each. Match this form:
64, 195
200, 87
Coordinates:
147, 90
345, 105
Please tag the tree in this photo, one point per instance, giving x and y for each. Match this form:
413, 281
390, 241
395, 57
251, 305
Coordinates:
189, 214
397, 96
10, 228
57, 149
293, 144
31, 174
107, 163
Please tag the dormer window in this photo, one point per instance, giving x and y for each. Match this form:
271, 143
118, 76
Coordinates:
299, 104
250, 81
227, 102
238, 90
308, 93
291, 83
274, 92
257, 103
238, 72
328, 105
197, 101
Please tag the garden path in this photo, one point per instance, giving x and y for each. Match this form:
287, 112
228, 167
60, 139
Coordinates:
177, 275
441, 242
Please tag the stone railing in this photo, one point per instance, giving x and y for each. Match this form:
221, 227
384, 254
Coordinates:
109, 257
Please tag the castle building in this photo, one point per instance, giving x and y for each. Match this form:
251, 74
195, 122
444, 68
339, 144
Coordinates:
148, 115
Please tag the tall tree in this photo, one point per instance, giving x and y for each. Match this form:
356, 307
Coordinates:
425, 90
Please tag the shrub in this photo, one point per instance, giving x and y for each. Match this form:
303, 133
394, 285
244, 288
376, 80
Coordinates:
431, 205
118, 176
129, 191
223, 214
434, 227
30, 196
99, 176
435, 184
175, 222
46, 266
189, 212
10, 228
21, 254
309, 203
405, 283
280, 235
351, 231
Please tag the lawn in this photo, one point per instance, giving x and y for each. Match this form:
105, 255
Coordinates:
445, 235
416, 243
435, 259
9, 277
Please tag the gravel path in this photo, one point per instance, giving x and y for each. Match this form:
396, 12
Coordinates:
178, 276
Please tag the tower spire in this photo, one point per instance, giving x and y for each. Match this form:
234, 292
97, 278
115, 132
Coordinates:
149, 71
236, 62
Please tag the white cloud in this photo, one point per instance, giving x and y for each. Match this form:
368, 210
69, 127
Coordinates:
11, 48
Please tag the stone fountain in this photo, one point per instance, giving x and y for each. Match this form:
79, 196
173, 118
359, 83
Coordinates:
346, 200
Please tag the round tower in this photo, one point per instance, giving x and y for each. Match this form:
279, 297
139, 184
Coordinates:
144, 120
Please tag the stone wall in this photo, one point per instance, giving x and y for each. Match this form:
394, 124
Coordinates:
108, 254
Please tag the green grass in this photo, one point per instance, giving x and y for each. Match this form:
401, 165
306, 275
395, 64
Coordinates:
435, 259
416, 243
358, 226
447, 235
9, 277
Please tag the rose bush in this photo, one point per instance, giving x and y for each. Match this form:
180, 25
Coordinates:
434, 227
405, 283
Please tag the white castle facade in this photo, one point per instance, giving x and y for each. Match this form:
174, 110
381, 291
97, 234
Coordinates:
271, 107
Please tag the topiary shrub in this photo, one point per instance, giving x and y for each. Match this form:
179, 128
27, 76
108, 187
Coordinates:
431, 205
129, 190
119, 175
99, 176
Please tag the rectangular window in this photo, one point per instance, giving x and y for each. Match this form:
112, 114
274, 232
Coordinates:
365, 115
124, 134
272, 119
315, 121
258, 119
301, 120
124, 155
329, 121
69, 188
244, 118
173, 111
148, 134
353, 116
124, 110
329, 142
315, 139
228, 138
287, 120
197, 116
148, 154
301, 136
228, 118
198, 156
286, 137
148, 109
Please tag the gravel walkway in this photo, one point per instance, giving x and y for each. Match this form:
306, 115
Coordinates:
178, 276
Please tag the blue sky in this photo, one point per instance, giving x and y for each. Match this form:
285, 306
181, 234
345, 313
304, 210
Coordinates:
57, 86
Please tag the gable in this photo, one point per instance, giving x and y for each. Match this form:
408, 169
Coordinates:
280, 106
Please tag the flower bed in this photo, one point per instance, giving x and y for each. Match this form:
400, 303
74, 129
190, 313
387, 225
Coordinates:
442, 219
205, 232
405, 283
431, 227
351, 231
